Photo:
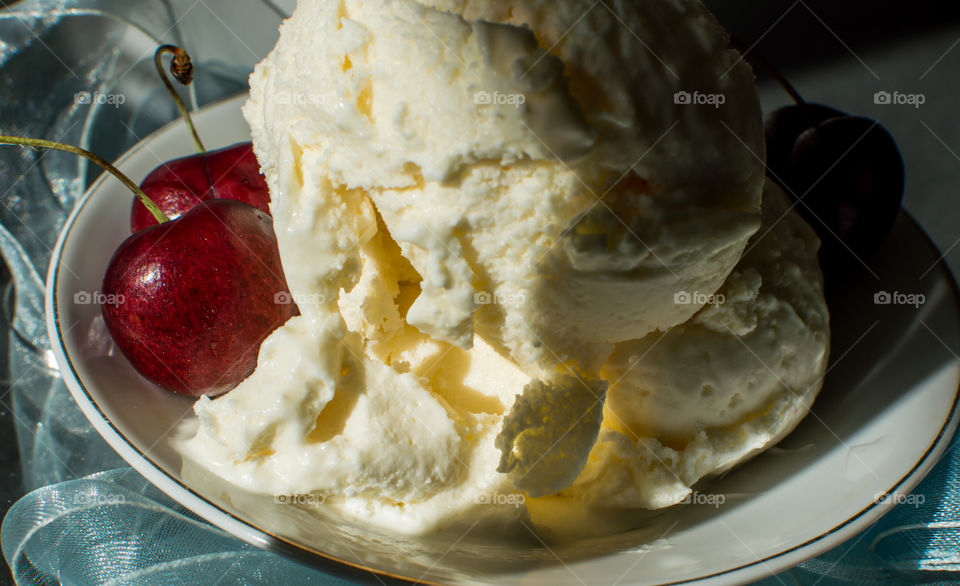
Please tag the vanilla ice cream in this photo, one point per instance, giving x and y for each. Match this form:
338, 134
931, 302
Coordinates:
733, 380
506, 225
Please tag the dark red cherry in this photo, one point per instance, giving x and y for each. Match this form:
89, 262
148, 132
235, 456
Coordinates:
782, 128
849, 176
176, 186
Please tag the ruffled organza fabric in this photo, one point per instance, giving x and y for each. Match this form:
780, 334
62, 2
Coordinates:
115, 528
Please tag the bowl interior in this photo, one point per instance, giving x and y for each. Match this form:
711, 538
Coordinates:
881, 421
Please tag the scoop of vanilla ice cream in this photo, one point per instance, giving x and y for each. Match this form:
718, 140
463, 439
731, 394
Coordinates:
547, 436
665, 199
485, 211
521, 183
707, 394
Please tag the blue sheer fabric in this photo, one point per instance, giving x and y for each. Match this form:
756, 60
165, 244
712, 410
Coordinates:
90, 519
115, 527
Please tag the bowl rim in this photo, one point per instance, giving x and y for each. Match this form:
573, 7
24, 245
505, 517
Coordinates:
244, 530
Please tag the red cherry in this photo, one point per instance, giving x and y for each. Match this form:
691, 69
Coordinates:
176, 186
850, 176
192, 299
782, 128
196, 296
845, 173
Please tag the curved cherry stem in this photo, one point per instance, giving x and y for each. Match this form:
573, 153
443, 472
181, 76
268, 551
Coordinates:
770, 69
182, 70
48, 144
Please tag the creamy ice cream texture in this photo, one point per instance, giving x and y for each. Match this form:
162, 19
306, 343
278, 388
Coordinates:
520, 263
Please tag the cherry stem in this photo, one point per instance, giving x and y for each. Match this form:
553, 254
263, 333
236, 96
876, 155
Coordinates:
770, 69
182, 69
48, 144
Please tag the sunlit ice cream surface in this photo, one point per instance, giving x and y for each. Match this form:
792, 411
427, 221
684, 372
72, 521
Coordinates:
516, 233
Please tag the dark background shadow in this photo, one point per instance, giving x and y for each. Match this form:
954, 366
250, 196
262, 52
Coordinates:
801, 40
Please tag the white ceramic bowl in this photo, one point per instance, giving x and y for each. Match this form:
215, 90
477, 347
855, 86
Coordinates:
885, 415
